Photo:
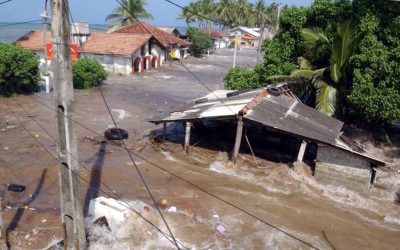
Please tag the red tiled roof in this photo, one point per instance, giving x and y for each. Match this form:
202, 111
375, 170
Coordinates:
213, 33
114, 43
34, 40
162, 37
249, 37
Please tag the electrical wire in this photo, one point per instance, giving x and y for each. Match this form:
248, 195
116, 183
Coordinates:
187, 181
10, 24
197, 14
119, 197
5, 2
125, 147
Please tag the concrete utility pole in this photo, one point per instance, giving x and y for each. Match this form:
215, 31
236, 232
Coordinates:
277, 19
71, 205
234, 53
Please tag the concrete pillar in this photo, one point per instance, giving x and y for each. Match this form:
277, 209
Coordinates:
187, 137
238, 138
301, 151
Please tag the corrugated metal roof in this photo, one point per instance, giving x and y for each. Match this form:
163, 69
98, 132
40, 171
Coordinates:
214, 105
289, 115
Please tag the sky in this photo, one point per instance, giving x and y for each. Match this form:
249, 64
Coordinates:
95, 11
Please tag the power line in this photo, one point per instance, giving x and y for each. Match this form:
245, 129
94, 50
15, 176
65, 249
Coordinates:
5, 2
126, 148
126, 204
10, 24
197, 14
187, 181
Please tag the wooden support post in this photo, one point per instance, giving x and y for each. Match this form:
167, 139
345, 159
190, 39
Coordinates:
301, 151
164, 131
187, 137
238, 139
70, 197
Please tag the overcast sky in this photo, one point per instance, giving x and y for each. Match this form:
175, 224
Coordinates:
95, 11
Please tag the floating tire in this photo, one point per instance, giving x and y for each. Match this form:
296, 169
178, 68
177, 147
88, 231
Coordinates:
116, 134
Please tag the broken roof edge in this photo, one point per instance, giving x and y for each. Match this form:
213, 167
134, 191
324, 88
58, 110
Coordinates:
226, 117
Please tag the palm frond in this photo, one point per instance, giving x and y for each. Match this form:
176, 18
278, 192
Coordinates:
313, 37
304, 63
326, 98
335, 72
343, 46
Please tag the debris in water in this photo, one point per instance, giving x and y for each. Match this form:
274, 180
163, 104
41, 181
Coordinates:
220, 229
44, 221
163, 203
146, 209
6, 148
229, 165
172, 209
102, 221
216, 216
16, 188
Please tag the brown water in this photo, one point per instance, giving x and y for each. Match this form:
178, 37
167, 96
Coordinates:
283, 197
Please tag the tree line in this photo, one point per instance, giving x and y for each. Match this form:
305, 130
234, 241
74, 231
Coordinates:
229, 13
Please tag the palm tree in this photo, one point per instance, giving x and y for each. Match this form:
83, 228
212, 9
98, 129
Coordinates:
259, 13
243, 12
129, 12
225, 12
329, 81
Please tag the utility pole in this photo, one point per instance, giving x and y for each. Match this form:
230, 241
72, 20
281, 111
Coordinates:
234, 53
277, 19
71, 205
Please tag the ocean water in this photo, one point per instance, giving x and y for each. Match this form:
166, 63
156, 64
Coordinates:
10, 32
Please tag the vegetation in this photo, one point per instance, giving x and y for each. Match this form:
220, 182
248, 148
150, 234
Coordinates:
130, 12
201, 42
344, 54
19, 72
230, 13
87, 73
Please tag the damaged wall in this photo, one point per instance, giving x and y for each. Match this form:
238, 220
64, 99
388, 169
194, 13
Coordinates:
340, 168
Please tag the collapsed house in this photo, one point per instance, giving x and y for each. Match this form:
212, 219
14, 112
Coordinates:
338, 161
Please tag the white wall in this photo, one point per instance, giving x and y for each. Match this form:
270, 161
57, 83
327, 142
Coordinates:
113, 63
156, 51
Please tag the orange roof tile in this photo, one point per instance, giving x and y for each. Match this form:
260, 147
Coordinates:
162, 37
114, 43
213, 33
34, 40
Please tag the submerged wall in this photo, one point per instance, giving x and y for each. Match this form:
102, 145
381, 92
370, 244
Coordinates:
341, 168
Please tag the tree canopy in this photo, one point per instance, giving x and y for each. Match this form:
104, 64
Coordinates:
129, 12
353, 46
230, 13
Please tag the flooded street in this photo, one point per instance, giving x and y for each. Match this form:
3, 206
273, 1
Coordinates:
207, 203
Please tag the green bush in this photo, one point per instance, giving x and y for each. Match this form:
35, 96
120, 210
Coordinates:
200, 42
87, 73
19, 72
241, 78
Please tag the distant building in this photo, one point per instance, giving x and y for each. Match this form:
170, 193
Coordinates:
121, 53
170, 30
219, 39
247, 37
163, 44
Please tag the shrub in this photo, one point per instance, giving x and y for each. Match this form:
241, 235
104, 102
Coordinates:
200, 42
241, 78
19, 72
87, 73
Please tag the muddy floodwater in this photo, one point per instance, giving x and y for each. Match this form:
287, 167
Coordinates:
207, 202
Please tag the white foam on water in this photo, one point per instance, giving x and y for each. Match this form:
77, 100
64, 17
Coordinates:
219, 167
392, 219
168, 156
121, 113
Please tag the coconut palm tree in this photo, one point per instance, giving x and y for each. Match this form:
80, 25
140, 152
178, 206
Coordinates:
129, 12
225, 12
329, 80
243, 12
259, 13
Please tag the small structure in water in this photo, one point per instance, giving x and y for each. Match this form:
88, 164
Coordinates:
337, 160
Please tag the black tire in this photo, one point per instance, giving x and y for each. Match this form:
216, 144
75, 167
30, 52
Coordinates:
116, 134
